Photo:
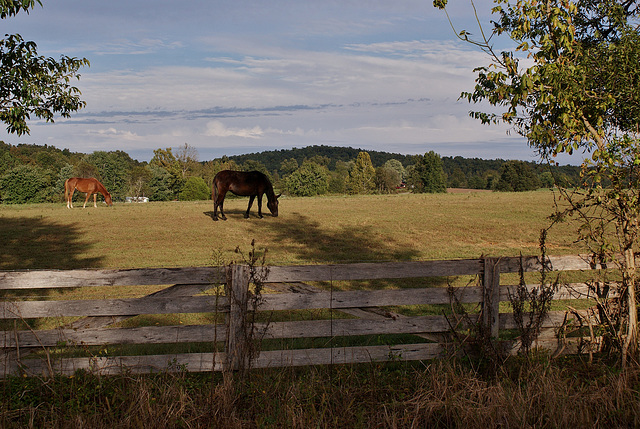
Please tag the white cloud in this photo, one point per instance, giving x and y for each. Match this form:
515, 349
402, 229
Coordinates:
288, 78
112, 133
132, 47
218, 129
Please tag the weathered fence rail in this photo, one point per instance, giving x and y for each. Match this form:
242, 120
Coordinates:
30, 350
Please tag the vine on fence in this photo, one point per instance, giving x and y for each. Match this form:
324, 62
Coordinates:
471, 336
606, 321
531, 305
248, 302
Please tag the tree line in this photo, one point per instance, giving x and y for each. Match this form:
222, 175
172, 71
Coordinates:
34, 173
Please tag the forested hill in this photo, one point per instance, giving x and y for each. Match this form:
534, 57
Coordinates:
461, 172
273, 159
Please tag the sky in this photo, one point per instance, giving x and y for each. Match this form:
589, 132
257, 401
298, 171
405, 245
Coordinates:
229, 77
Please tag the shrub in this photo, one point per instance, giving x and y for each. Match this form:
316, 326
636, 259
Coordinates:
308, 180
195, 189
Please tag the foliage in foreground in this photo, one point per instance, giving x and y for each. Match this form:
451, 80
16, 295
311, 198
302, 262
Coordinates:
523, 393
577, 91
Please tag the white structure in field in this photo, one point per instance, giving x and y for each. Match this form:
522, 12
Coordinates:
136, 199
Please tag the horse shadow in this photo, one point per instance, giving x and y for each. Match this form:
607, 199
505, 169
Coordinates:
235, 213
309, 241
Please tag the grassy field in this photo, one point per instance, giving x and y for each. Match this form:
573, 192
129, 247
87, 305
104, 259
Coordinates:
308, 231
522, 392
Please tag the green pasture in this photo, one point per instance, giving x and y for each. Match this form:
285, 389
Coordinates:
335, 229
332, 229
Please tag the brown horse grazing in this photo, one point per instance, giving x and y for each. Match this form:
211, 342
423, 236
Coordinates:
250, 184
90, 186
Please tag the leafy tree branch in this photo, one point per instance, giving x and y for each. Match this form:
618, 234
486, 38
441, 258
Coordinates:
31, 84
578, 92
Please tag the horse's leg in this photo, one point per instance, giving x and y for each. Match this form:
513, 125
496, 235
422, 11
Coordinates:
222, 216
70, 199
215, 202
260, 206
215, 210
95, 200
251, 198
219, 202
86, 199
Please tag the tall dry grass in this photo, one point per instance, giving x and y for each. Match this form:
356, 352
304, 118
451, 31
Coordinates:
435, 395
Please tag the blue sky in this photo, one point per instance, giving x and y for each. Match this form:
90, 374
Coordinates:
237, 76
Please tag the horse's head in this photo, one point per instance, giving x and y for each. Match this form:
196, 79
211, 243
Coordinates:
107, 199
272, 204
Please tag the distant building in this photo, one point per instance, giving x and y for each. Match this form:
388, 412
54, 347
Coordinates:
136, 199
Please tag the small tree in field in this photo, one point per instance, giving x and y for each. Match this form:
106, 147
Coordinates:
362, 175
427, 174
387, 179
577, 91
195, 189
308, 180
165, 159
187, 157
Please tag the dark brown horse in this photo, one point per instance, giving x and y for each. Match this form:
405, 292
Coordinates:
250, 184
89, 186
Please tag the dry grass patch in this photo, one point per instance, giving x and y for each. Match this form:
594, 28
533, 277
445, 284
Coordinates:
437, 395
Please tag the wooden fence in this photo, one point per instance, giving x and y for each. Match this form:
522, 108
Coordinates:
33, 351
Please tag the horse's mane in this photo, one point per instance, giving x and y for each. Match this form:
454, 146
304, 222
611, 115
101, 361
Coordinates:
101, 188
271, 195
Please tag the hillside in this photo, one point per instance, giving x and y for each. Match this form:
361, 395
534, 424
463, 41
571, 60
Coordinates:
274, 158
461, 172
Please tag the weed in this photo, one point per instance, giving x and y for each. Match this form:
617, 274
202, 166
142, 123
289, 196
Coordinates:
531, 305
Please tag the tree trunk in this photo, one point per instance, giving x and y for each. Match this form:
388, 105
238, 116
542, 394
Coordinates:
630, 346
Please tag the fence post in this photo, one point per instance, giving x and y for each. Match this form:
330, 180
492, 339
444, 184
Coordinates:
491, 295
237, 290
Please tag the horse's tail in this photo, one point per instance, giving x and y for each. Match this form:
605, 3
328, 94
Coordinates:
214, 189
66, 190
